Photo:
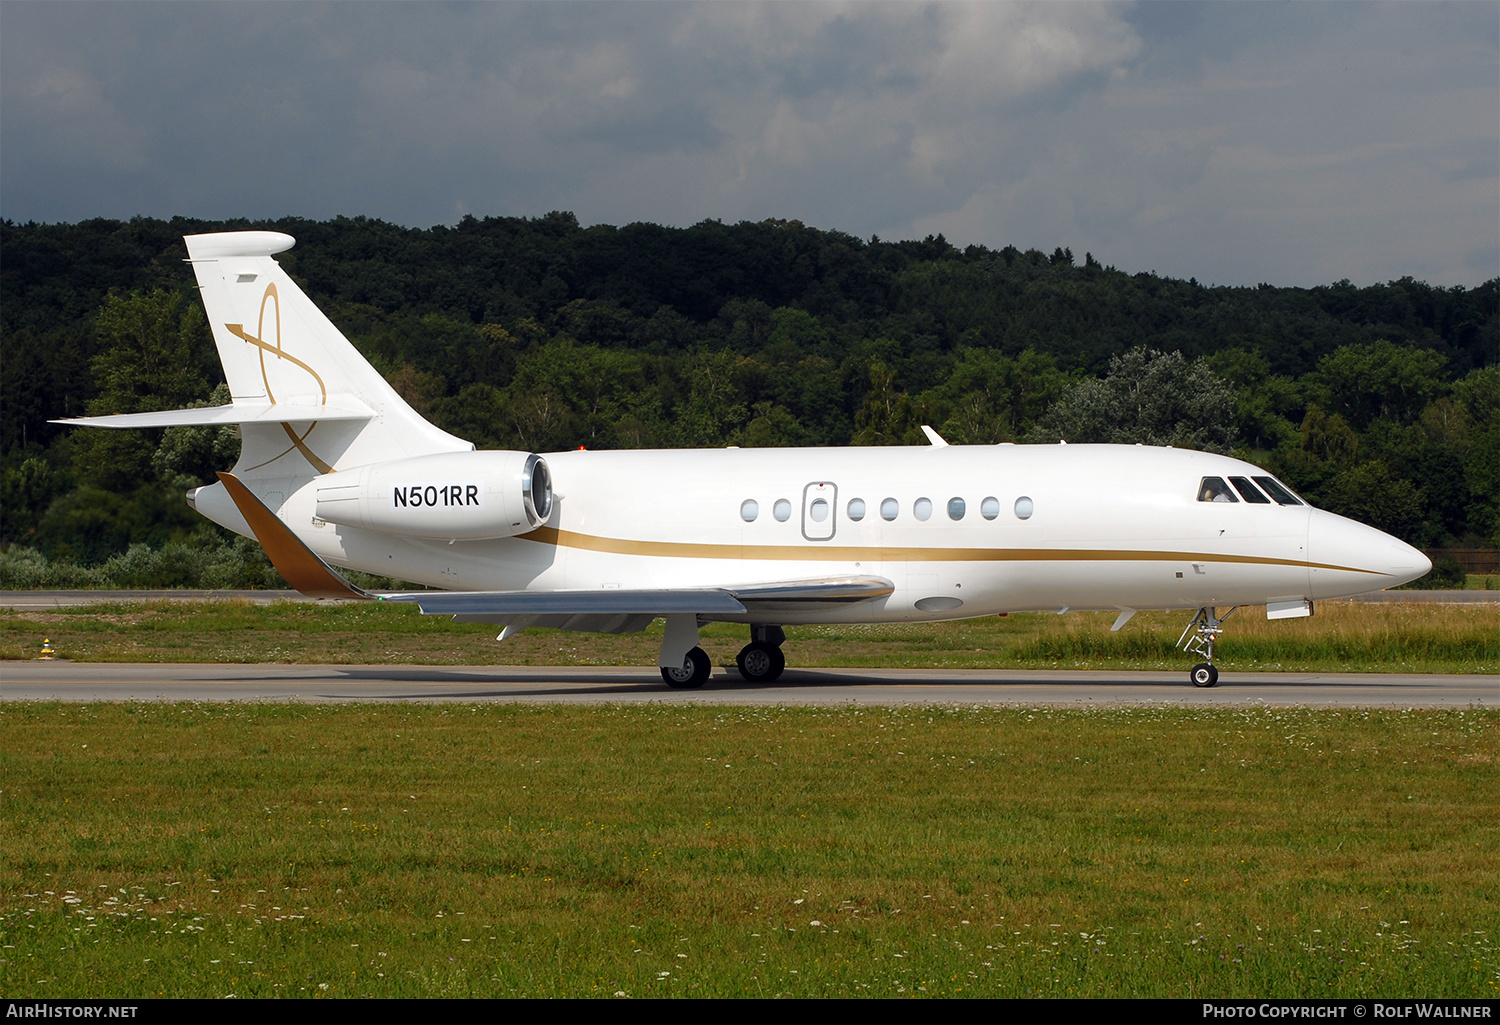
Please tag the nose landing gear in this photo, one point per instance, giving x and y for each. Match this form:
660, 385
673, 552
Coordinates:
1199, 638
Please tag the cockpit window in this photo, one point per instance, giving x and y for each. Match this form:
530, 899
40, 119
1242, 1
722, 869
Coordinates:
1248, 491
1213, 489
1278, 491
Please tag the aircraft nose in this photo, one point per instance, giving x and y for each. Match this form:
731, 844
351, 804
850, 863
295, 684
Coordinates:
1350, 557
1397, 560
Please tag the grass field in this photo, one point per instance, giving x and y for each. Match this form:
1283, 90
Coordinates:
258, 850
1341, 637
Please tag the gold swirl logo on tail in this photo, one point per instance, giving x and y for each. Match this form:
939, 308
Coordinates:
272, 298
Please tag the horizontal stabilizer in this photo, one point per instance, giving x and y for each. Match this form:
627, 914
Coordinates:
234, 413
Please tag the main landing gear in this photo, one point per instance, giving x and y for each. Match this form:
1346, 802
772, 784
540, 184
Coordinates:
693, 672
1199, 638
761, 661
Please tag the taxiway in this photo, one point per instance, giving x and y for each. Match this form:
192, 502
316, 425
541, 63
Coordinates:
115, 681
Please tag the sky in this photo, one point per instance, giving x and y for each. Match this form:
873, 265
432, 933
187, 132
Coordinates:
1238, 143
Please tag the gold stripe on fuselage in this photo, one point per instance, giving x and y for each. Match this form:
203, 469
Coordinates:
846, 553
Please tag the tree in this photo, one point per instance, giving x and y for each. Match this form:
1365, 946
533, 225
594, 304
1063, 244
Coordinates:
25, 491
1372, 494
1149, 398
886, 416
1363, 382
1328, 438
156, 355
773, 426
990, 398
714, 410
188, 456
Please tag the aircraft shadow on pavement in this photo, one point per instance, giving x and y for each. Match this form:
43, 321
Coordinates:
624, 683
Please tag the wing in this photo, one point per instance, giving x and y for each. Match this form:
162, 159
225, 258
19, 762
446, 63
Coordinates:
622, 610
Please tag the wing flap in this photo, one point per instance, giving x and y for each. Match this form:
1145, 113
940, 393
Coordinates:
623, 623
608, 602
502, 606
841, 590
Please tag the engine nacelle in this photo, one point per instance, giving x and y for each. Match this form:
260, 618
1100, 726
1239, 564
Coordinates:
467, 496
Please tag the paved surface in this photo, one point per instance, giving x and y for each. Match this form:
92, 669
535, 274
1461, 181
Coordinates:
94, 681
1439, 597
32, 601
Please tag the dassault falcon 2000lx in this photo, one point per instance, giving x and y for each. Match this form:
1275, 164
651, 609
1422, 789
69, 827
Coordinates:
336, 470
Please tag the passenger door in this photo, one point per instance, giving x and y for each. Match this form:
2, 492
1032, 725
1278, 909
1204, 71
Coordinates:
819, 511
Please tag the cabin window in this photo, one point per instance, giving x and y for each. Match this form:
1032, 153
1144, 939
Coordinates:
956, 508
1277, 491
989, 508
1213, 489
749, 509
856, 509
890, 509
922, 508
818, 510
1023, 508
1248, 491
782, 510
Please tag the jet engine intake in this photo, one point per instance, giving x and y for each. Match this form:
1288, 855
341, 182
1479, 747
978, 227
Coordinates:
466, 496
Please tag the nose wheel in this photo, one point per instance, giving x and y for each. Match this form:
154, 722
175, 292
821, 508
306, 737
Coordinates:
1199, 638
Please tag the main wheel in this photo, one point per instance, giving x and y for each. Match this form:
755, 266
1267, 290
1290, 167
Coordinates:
693, 673
759, 662
1204, 675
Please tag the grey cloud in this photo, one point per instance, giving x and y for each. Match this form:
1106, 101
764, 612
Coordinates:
1241, 142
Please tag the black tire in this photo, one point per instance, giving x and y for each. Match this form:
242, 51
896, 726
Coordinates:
760, 663
1204, 675
693, 674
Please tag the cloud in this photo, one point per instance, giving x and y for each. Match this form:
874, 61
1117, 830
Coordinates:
1290, 143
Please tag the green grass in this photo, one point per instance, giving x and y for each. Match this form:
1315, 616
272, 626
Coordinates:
1341, 637
260, 850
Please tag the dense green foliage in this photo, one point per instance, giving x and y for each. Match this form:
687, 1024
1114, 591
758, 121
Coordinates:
1381, 402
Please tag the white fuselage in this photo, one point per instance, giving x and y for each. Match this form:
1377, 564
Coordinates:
1110, 527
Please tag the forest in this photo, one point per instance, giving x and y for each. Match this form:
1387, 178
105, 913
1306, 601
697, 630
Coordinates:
1380, 402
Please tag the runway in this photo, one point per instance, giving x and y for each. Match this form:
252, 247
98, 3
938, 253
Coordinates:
115, 681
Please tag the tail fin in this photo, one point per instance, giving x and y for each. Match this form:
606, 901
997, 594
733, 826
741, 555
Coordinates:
281, 354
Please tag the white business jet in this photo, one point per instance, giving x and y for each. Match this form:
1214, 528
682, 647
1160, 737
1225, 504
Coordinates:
337, 471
